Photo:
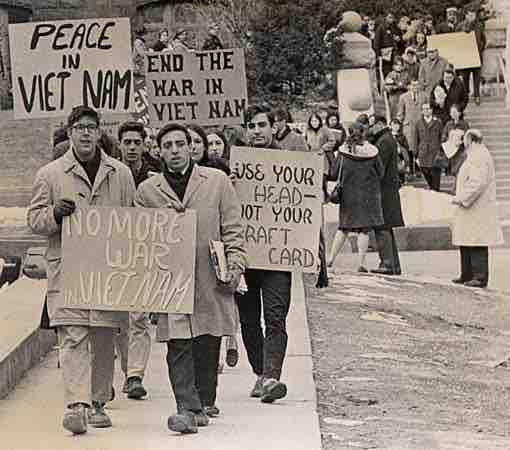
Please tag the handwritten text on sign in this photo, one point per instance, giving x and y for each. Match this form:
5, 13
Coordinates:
62, 64
129, 259
204, 87
280, 192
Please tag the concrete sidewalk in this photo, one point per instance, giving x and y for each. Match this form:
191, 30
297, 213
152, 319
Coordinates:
31, 416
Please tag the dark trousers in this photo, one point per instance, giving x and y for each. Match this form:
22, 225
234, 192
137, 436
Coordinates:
433, 177
474, 263
193, 371
271, 289
387, 249
322, 279
466, 74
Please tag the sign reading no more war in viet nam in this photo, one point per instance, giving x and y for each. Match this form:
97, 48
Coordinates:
62, 64
129, 259
281, 197
205, 87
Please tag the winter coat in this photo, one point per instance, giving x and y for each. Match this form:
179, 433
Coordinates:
361, 203
291, 140
409, 113
455, 95
451, 125
390, 181
431, 73
210, 193
476, 221
428, 141
66, 178
321, 140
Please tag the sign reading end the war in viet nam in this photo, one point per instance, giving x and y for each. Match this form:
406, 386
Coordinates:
206, 87
62, 64
129, 259
281, 199
459, 49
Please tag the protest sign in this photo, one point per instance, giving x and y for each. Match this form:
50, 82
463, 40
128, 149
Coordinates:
62, 64
205, 87
459, 49
129, 259
281, 200
354, 89
422, 206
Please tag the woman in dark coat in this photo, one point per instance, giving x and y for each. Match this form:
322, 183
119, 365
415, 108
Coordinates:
360, 170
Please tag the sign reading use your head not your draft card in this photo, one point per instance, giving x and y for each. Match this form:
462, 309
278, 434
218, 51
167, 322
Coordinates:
62, 64
129, 259
203, 87
281, 200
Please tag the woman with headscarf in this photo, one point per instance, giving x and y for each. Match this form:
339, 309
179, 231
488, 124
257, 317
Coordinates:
475, 227
359, 170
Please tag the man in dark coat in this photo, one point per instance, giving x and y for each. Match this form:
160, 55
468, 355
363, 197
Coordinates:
451, 23
386, 40
392, 210
449, 91
212, 41
428, 143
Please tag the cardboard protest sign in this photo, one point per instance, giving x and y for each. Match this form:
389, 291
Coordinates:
281, 197
205, 87
129, 259
354, 89
459, 49
62, 64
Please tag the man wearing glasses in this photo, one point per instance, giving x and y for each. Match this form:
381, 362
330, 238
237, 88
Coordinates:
84, 176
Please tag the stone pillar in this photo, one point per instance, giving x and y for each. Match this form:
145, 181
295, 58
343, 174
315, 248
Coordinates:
5, 62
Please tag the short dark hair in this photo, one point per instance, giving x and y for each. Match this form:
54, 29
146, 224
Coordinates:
281, 112
380, 119
172, 127
80, 111
132, 126
253, 110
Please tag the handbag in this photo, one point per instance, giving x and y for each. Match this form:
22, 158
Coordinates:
336, 195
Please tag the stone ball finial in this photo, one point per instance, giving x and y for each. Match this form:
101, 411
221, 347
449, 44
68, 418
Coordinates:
351, 22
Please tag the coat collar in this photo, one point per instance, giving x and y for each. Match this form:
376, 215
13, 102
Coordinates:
71, 165
198, 176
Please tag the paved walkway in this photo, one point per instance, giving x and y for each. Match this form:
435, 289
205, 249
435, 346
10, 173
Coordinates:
30, 417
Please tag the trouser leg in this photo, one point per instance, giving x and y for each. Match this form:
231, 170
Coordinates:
75, 362
466, 270
480, 263
433, 177
276, 287
395, 259
181, 371
476, 81
139, 344
382, 237
102, 354
122, 344
323, 272
206, 353
250, 313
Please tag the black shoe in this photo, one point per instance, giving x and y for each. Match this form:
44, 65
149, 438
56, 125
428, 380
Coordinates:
460, 280
272, 390
135, 388
476, 283
232, 357
212, 411
201, 418
384, 271
184, 423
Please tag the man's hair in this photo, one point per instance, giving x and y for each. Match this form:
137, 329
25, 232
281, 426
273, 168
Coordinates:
380, 119
132, 126
172, 127
253, 110
449, 69
80, 111
281, 112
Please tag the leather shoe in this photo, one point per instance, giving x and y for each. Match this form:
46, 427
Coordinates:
459, 280
384, 271
475, 284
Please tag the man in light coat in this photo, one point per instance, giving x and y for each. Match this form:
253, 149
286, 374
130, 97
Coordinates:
193, 341
84, 176
431, 70
476, 226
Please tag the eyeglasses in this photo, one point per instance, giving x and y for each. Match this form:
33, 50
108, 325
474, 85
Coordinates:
80, 128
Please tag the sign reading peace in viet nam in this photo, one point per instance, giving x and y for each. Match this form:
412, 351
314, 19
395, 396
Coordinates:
206, 87
62, 64
281, 199
129, 259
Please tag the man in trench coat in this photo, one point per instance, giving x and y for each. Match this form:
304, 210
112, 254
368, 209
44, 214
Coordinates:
392, 210
193, 341
84, 176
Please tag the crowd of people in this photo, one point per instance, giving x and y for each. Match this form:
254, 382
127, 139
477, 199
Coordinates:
187, 167
414, 74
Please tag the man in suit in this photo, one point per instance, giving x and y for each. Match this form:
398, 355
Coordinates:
449, 91
428, 141
409, 113
392, 211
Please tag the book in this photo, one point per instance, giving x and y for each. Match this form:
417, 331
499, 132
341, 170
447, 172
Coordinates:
218, 259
